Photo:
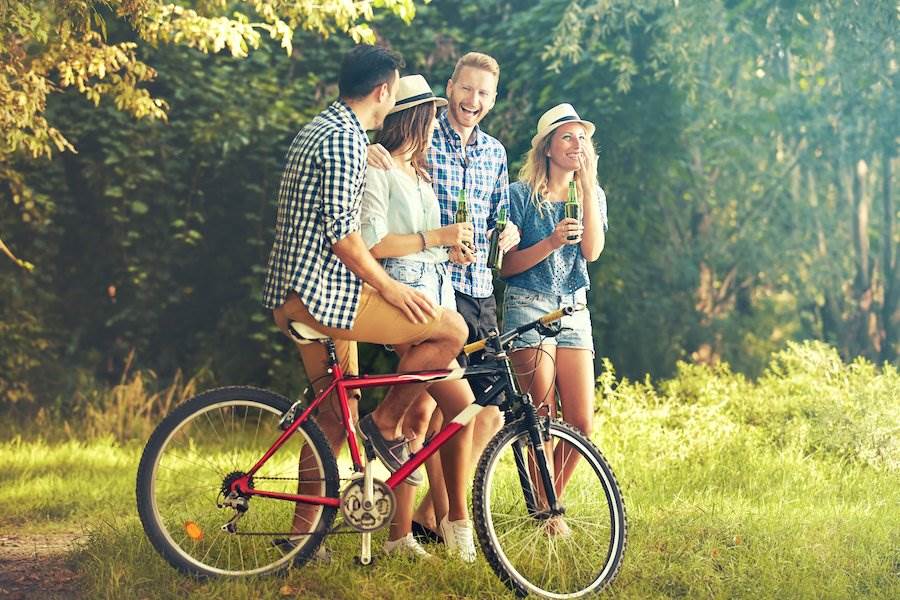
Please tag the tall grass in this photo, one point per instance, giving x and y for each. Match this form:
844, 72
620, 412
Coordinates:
784, 487
127, 410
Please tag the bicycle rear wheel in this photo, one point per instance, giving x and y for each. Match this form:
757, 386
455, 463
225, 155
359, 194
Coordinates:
566, 556
198, 450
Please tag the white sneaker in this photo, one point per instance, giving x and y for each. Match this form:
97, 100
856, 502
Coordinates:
458, 538
406, 546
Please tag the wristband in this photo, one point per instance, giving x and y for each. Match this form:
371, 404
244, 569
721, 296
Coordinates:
424, 243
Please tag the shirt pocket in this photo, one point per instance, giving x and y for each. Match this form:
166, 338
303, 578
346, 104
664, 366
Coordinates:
409, 272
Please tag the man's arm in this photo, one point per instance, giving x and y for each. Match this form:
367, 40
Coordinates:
342, 161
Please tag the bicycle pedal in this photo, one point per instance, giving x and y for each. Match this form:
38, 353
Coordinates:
369, 450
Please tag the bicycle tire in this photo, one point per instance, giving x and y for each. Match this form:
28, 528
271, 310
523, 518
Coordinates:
177, 510
514, 539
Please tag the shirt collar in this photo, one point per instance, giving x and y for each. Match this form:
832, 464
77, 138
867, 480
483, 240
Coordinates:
451, 133
344, 109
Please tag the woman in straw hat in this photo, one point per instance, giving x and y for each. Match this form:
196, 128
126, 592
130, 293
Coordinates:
401, 224
548, 270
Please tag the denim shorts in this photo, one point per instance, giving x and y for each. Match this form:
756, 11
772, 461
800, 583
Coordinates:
432, 279
521, 306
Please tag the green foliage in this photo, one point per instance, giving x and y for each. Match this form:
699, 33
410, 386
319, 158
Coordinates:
807, 402
746, 149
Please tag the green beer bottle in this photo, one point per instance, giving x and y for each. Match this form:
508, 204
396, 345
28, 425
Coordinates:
573, 206
495, 254
462, 213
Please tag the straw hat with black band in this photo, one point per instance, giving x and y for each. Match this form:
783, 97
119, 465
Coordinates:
556, 116
413, 91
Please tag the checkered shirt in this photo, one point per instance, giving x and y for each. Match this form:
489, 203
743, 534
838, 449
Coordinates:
483, 172
318, 205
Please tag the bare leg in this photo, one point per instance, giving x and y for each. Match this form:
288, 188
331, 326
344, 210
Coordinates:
452, 397
535, 374
328, 419
434, 505
440, 350
575, 381
415, 424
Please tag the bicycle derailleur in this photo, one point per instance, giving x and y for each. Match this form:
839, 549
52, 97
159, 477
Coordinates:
234, 499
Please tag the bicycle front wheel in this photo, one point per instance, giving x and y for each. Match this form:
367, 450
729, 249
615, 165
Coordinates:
570, 555
193, 456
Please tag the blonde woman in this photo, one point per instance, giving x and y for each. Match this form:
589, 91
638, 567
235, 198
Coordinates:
548, 270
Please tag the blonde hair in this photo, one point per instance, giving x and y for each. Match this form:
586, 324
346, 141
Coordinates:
535, 172
477, 60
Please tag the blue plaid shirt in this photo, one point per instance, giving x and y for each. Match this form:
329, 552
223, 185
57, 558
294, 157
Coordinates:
483, 172
318, 205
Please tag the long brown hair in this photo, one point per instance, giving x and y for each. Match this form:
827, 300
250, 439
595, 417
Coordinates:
535, 172
409, 129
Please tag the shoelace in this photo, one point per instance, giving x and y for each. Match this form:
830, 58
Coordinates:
415, 547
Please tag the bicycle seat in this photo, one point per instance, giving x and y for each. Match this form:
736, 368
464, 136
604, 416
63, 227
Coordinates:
304, 334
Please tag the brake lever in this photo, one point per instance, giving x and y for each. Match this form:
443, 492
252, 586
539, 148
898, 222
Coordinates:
552, 330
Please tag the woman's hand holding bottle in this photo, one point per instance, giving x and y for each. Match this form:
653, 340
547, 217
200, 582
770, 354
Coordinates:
568, 231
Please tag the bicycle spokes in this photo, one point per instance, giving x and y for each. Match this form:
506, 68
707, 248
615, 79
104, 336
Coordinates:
565, 550
206, 504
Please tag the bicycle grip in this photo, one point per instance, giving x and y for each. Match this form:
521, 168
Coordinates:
474, 347
556, 315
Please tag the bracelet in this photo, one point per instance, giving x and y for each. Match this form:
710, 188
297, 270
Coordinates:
424, 243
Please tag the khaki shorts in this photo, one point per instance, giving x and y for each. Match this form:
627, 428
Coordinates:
377, 322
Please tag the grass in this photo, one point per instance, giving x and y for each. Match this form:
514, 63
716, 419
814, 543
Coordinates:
783, 487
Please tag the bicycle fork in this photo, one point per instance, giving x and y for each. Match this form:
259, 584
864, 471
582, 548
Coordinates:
536, 442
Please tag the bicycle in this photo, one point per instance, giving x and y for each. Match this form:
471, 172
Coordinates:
216, 496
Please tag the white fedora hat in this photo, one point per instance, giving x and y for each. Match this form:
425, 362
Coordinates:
556, 116
414, 90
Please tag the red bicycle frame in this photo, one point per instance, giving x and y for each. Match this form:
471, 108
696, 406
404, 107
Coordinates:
341, 384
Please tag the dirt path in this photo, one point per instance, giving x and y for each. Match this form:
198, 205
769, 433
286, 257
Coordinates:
35, 566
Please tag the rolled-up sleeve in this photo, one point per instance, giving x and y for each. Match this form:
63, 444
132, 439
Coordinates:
374, 208
342, 163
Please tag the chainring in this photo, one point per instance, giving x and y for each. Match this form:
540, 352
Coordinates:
368, 516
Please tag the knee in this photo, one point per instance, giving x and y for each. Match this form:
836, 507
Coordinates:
584, 424
454, 327
489, 420
418, 416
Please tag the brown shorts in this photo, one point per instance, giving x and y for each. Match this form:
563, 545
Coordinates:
377, 322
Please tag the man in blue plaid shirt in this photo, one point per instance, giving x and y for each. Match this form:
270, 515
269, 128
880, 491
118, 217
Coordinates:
321, 274
463, 156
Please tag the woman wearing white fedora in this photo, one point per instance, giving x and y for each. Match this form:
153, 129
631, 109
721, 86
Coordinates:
548, 270
400, 223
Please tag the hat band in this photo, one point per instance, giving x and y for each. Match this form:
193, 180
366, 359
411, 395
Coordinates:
565, 118
414, 98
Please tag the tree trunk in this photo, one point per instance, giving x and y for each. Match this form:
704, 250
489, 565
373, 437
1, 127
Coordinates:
889, 317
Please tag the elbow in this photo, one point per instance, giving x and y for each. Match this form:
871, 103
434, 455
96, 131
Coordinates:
592, 254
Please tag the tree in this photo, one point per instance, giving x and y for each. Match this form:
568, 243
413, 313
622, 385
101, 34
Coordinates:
48, 46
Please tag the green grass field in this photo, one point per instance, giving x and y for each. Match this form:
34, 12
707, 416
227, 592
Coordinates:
788, 486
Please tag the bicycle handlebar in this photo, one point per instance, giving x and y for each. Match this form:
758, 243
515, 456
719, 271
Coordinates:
545, 320
474, 347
